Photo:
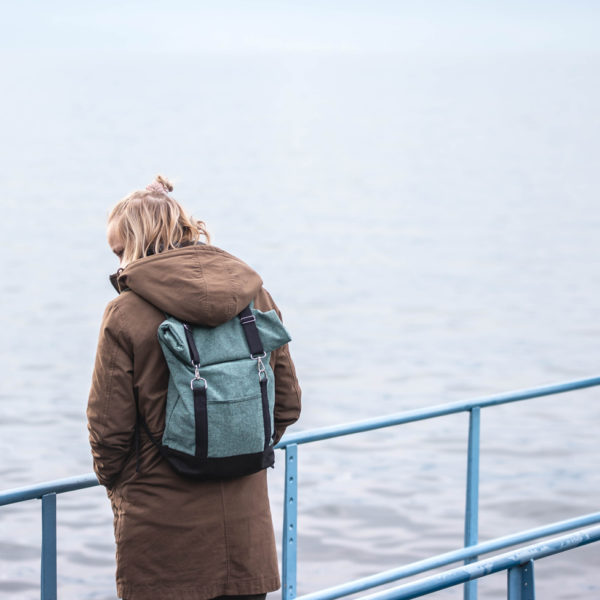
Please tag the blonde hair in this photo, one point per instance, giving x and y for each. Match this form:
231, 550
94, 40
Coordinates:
150, 221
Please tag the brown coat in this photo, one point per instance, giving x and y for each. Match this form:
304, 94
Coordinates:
176, 538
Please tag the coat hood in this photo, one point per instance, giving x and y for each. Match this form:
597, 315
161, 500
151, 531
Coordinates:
198, 284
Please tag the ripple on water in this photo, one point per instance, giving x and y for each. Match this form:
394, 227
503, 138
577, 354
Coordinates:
86, 558
8, 585
18, 552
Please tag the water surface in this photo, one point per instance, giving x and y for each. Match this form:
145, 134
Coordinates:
428, 226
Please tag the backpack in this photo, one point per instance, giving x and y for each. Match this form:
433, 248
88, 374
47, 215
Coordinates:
219, 419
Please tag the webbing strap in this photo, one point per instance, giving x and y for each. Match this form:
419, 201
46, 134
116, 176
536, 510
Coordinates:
266, 415
201, 420
248, 321
194, 355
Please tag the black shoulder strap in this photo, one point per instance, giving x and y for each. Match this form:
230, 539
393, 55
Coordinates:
194, 355
248, 321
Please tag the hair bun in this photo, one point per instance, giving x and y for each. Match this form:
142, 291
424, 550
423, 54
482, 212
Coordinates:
165, 183
160, 185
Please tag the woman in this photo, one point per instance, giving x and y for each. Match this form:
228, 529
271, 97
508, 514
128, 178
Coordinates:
176, 538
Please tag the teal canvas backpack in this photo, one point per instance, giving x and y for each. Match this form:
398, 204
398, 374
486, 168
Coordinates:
221, 395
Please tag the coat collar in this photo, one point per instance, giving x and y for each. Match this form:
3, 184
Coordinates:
114, 280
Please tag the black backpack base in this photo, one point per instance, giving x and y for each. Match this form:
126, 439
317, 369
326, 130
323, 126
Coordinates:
227, 467
205, 469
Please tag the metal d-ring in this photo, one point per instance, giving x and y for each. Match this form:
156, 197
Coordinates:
198, 379
262, 372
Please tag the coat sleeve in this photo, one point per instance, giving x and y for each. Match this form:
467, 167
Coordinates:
111, 408
287, 390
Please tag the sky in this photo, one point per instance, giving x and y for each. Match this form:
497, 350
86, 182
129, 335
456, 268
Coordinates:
338, 26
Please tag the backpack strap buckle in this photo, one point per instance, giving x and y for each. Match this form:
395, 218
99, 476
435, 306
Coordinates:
248, 321
262, 372
198, 379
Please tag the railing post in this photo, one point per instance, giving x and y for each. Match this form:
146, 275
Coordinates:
472, 499
290, 523
521, 584
48, 580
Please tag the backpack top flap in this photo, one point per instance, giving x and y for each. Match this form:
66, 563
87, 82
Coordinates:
225, 342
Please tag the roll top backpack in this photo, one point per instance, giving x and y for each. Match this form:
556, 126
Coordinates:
219, 420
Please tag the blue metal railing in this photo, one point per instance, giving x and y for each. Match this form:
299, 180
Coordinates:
519, 565
448, 558
520, 573
474, 407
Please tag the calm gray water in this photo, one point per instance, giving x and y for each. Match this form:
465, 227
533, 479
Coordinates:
428, 226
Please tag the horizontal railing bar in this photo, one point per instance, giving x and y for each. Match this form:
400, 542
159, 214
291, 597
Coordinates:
89, 480
502, 562
431, 412
441, 560
460, 575
58, 486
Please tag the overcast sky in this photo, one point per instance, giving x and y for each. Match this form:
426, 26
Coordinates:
231, 26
